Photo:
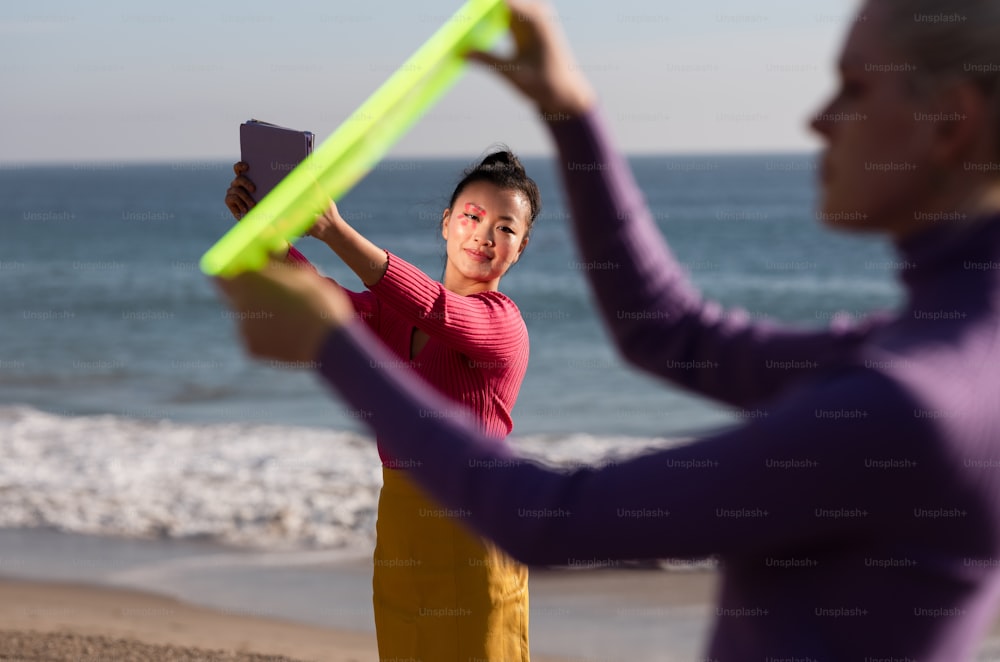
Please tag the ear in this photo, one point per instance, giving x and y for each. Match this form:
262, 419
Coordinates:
445, 219
964, 127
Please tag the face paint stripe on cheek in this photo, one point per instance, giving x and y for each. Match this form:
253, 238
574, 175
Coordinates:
474, 209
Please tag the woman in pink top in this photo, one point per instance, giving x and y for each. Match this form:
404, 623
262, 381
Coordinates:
441, 593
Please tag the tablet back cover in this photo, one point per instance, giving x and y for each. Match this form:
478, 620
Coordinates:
272, 152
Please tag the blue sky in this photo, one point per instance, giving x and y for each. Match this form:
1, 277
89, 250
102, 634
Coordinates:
144, 81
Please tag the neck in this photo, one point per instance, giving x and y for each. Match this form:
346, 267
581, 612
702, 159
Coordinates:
459, 284
957, 209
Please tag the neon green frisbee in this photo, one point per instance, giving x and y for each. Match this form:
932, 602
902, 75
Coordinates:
290, 209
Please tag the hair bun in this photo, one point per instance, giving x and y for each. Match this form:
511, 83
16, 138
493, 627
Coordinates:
501, 168
502, 159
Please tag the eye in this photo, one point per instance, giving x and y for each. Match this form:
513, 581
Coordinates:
472, 216
507, 229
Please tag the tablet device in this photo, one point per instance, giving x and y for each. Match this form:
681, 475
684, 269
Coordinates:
272, 152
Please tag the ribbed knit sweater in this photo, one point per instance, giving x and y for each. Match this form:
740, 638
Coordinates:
478, 349
857, 517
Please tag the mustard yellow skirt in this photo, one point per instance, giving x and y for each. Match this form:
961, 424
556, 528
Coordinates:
441, 593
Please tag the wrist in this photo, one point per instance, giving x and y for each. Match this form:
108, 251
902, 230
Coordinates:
571, 102
331, 237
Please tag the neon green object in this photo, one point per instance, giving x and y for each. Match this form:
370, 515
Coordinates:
290, 209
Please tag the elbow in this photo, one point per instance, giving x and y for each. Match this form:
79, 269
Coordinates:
633, 346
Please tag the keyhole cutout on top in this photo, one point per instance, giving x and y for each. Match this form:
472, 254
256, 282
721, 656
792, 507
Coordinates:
418, 339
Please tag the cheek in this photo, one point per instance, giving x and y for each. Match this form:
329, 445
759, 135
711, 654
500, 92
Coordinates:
880, 168
459, 227
509, 245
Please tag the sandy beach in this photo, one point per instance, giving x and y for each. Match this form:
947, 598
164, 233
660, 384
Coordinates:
75, 597
61, 621
71, 600
81, 622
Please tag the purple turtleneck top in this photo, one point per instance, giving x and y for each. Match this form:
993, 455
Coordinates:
856, 514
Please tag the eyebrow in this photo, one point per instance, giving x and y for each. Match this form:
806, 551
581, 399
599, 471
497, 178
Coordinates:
504, 217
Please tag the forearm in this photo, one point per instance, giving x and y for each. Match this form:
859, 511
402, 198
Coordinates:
658, 319
363, 257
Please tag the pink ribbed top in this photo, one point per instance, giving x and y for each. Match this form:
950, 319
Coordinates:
478, 349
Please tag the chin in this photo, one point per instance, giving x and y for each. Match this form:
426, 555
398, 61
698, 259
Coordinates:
836, 215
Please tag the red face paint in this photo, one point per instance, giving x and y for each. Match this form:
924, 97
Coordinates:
475, 210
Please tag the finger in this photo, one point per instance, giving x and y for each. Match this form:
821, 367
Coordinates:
234, 208
245, 182
240, 167
244, 196
235, 203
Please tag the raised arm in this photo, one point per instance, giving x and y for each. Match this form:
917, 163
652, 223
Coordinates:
657, 319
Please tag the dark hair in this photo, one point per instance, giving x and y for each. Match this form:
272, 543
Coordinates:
504, 170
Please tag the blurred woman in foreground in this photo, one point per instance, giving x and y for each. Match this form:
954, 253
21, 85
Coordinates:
879, 536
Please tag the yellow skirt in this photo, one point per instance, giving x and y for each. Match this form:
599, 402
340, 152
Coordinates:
442, 594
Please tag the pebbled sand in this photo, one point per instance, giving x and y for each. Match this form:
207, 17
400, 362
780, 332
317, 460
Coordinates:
24, 646
41, 621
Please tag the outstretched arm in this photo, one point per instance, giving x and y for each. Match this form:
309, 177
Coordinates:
748, 491
752, 489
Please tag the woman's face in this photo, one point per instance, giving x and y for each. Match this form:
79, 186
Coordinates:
485, 231
875, 170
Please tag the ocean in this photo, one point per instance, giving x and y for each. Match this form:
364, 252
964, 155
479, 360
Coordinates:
127, 407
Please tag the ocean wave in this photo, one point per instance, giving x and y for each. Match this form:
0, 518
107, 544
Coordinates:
268, 487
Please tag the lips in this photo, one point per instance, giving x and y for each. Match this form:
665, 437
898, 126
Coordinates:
477, 256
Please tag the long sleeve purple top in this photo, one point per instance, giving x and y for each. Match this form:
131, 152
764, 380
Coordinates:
855, 516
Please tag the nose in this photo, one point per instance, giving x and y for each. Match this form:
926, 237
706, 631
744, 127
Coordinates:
483, 234
822, 122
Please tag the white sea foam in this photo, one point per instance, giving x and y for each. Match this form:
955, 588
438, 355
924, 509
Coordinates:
262, 486
254, 485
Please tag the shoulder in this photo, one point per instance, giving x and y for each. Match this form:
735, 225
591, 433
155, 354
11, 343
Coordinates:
496, 299
498, 305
